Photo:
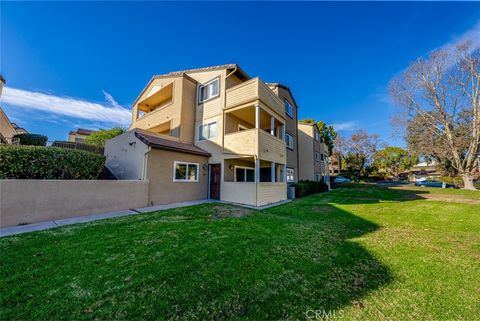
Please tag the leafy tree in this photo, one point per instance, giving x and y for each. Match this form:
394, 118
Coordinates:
327, 133
357, 150
441, 97
100, 137
393, 160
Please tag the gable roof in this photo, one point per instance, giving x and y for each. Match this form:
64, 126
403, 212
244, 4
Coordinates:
156, 141
276, 84
184, 73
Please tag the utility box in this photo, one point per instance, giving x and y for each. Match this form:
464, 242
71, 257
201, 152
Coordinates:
291, 192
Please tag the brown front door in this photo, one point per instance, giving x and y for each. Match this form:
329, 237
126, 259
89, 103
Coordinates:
215, 181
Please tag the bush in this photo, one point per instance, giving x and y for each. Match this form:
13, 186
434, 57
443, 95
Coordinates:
303, 188
32, 139
37, 162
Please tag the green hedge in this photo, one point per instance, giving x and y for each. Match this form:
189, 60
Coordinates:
32, 139
37, 162
303, 188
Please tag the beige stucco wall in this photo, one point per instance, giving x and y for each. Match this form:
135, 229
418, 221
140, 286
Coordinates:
126, 156
31, 201
163, 190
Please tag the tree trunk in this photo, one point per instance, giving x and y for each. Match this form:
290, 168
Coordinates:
468, 181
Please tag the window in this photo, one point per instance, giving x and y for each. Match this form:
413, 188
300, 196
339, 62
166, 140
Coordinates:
208, 91
290, 175
317, 136
185, 172
207, 131
244, 174
317, 177
289, 140
288, 108
317, 156
322, 157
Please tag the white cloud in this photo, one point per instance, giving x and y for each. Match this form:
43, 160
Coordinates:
472, 35
345, 126
112, 112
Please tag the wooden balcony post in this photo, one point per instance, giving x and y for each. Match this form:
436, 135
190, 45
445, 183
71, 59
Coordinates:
273, 172
257, 116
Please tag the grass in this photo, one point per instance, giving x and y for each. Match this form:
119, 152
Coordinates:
356, 253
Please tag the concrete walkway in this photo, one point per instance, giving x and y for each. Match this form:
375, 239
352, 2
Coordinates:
13, 230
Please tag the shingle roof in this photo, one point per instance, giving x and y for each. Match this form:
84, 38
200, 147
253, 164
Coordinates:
155, 141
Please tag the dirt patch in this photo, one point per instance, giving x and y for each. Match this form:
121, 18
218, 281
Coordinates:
221, 212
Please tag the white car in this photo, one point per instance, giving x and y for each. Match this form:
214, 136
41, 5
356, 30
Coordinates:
341, 179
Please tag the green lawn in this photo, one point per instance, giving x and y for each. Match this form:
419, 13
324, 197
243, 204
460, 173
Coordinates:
356, 253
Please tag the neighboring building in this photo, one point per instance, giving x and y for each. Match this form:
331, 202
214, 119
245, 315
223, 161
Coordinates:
335, 164
236, 119
291, 129
8, 129
2, 83
79, 135
313, 161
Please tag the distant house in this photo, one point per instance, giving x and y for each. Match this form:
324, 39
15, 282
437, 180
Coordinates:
8, 129
335, 164
79, 135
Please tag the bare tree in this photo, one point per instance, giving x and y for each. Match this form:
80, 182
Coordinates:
357, 150
441, 95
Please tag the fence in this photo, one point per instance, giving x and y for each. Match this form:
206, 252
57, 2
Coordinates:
31, 201
79, 146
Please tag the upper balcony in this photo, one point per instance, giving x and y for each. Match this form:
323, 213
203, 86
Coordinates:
256, 142
251, 91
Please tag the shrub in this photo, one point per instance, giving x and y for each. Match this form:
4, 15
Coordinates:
37, 162
32, 139
303, 188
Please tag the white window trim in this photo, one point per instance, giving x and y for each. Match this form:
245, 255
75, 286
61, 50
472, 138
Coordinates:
199, 102
293, 144
243, 167
293, 178
207, 124
185, 180
317, 159
288, 102
318, 177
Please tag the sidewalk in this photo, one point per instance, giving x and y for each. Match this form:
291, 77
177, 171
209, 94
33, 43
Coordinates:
13, 230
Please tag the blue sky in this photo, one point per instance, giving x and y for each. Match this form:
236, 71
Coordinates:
70, 65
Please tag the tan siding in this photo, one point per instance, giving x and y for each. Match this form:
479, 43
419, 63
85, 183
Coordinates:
268, 193
242, 193
187, 133
271, 148
244, 142
306, 168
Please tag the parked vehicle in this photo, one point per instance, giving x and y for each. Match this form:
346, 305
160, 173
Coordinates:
341, 180
433, 184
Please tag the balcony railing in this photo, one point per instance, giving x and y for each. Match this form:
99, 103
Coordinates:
256, 142
252, 90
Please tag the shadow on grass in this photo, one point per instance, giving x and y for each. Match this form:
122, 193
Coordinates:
277, 264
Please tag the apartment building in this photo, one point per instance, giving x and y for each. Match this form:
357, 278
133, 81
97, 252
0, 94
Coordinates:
235, 119
217, 132
291, 129
312, 154
79, 135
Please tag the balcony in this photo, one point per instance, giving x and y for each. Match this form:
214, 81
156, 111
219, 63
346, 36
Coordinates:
252, 91
256, 142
